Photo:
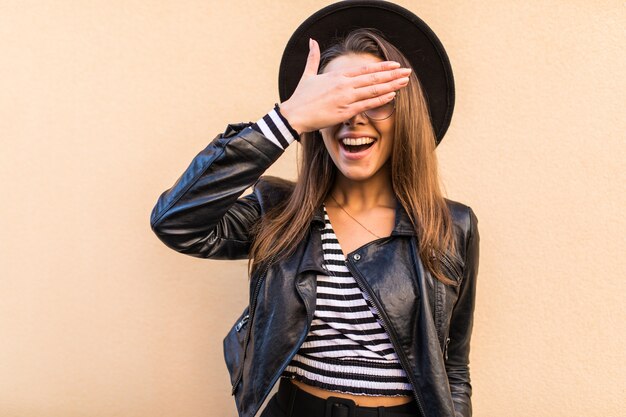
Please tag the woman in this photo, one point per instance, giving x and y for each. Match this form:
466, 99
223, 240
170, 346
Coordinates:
362, 275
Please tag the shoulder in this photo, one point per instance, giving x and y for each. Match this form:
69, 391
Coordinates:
271, 190
464, 218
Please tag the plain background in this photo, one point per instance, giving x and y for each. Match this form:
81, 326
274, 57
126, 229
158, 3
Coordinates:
104, 104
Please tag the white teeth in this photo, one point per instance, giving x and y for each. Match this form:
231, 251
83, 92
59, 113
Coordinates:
357, 141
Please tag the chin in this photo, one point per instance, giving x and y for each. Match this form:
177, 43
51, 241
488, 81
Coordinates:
357, 175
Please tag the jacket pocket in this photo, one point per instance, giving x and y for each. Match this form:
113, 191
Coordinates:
234, 345
451, 268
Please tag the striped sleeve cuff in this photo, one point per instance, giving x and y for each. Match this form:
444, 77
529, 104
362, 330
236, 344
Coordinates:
276, 128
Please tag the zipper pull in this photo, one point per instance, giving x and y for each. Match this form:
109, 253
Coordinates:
445, 350
242, 323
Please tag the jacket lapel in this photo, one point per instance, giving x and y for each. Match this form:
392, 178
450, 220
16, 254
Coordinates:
312, 255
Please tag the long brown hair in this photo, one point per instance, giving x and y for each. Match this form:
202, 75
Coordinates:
414, 172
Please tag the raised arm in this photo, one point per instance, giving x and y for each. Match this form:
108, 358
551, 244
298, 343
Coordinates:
201, 214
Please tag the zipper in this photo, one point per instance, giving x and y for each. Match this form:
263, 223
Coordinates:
403, 361
250, 316
444, 259
295, 351
451, 267
242, 322
458, 277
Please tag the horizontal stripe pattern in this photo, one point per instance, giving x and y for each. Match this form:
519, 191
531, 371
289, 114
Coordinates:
347, 348
275, 128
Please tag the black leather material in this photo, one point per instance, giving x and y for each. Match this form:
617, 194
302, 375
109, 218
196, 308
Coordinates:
430, 324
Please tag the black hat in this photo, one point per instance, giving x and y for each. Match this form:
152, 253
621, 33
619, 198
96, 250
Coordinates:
402, 28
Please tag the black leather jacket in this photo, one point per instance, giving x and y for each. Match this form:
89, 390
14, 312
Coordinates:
429, 323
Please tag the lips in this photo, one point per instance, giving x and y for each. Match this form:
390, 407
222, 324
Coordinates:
353, 153
354, 135
354, 142
363, 140
354, 148
356, 145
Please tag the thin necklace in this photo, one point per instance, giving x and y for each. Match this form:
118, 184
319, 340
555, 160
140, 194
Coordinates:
341, 207
356, 326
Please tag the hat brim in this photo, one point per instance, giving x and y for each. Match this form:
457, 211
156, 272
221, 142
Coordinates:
402, 28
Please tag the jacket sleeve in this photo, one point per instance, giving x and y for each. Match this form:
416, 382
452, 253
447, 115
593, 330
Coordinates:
457, 364
201, 214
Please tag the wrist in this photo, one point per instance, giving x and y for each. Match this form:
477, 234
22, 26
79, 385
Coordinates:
287, 112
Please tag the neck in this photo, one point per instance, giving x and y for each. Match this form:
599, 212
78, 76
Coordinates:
356, 196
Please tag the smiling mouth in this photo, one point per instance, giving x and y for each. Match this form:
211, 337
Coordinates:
354, 145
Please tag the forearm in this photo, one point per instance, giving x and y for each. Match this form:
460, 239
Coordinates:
203, 206
461, 390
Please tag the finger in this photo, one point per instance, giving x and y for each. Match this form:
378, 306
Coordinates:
362, 105
372, 67
376, 90
379, 77
313, 59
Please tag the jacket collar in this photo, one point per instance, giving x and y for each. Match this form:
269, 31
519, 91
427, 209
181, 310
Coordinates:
313, 257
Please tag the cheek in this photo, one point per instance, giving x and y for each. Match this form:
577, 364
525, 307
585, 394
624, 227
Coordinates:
389, 135
328, 138
391, 126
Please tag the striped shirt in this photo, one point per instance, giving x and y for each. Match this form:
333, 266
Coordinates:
347, 349
276, 128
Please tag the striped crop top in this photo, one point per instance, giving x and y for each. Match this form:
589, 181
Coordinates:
347, 349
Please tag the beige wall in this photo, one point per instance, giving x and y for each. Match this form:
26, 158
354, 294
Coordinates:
104, 103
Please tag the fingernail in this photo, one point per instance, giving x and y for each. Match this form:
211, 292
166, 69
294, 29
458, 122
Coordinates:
310, 43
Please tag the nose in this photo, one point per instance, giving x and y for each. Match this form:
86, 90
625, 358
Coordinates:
358, 118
